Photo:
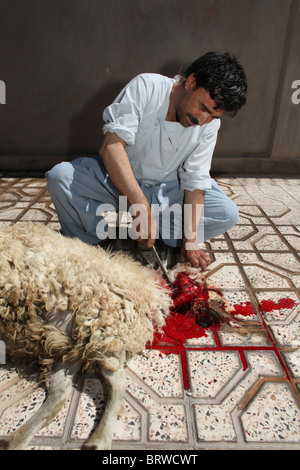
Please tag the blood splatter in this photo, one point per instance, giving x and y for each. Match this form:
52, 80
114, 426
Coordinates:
244, 309
178, 329
270, 306
191, 317
191, 314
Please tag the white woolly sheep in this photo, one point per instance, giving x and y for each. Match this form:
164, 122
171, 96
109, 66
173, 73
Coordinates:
66, 305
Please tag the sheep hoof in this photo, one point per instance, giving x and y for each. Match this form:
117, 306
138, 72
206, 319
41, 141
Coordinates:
4, 444
88, 447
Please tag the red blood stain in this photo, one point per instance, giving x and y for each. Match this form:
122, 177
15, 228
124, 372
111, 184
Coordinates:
177, 330
190, 306
190, 303
270, 306
245, 309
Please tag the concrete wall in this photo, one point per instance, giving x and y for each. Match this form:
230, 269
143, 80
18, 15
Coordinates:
63, 61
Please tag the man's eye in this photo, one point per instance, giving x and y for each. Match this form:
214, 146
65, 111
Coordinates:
204, 110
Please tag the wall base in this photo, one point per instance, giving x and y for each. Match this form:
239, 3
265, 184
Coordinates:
221, 165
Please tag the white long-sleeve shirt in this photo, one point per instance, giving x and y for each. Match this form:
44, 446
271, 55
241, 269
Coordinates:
159, 150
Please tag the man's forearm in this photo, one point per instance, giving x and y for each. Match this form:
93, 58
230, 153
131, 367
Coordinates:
193, 201
190, 250
118, 167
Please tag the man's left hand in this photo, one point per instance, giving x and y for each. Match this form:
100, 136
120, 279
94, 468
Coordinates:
198, 258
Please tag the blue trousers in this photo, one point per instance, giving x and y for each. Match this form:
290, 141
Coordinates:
82, 189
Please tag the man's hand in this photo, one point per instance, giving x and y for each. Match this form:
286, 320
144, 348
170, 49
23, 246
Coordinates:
192, 253
144, 224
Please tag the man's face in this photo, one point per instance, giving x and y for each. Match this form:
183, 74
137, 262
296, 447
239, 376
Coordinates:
195, 106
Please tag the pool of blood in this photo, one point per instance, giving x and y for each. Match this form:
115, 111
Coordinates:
191, 316
191, 309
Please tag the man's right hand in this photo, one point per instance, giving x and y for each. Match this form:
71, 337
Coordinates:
144, 224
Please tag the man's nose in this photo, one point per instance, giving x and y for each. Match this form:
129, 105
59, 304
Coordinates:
204, 118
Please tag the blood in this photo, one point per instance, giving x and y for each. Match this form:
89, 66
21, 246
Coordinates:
190, 311
270, 306
178, 329
245, 309
191, 317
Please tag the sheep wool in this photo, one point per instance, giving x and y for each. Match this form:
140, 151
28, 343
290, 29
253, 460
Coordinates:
114, 302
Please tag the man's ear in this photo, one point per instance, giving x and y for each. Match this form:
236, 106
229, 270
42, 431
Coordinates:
190, 82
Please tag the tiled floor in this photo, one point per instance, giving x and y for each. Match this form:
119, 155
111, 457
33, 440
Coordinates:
223, 391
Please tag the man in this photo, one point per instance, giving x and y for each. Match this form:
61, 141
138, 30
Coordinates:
160, 134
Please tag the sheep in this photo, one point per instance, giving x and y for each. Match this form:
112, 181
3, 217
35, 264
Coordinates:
66, 305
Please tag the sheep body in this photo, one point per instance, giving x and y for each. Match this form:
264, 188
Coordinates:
106, 306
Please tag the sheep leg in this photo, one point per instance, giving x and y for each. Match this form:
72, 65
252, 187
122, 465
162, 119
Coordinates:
103, 434
60, 388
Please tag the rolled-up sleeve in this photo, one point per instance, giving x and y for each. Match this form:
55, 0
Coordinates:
194, 172
123, 116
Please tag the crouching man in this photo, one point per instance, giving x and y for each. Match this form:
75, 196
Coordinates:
159, 138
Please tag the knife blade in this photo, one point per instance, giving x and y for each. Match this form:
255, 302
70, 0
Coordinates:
164, 271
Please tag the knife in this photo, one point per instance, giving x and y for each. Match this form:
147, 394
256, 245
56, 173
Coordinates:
164, 271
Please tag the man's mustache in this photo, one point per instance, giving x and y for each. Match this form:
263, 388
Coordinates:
193, 119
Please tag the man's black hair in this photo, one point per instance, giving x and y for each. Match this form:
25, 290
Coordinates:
223, 77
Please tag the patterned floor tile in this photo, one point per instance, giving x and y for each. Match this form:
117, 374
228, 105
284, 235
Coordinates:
273, 415
210, 371
223, 390
90, 408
